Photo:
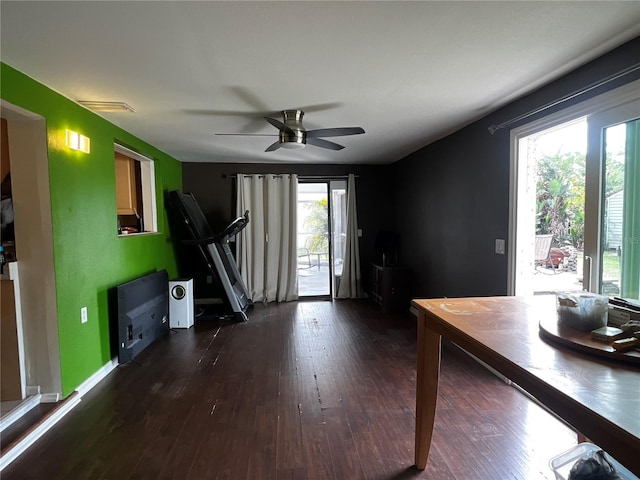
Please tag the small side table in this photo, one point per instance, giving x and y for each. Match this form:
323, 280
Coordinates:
389, 287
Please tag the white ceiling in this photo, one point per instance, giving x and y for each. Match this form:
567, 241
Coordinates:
407, 72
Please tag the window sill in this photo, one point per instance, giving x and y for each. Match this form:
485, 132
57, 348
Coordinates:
136, 234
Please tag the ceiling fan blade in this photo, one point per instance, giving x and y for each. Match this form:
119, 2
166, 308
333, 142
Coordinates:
254, 123
334, 132
257, 107
279, 125
273, 146
318, 142
249, 134
225, 113
319, 107
249, 97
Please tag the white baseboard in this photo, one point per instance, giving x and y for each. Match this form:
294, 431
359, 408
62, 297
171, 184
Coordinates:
50, 398
37, 432
16, 413
94, 379
33, 390
56, 416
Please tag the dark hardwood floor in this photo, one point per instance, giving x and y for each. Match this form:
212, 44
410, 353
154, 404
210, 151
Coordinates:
303, 390
17, 430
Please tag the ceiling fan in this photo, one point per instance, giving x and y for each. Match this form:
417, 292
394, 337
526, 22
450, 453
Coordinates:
293, 135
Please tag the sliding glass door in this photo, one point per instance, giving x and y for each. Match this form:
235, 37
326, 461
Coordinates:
322, 226
550, 209
586, 198
338, 207
612, 238
314, 267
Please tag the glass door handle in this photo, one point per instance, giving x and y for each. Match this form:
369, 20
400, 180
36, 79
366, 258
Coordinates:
586, 273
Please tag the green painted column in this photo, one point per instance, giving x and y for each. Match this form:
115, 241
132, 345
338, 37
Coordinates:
630, 261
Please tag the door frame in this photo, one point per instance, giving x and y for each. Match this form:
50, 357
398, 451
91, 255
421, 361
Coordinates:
327, 183
29, 162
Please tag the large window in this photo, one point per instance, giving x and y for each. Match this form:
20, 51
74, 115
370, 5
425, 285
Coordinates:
135, 192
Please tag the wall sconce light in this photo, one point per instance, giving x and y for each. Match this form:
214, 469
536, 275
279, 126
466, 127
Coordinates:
75, 141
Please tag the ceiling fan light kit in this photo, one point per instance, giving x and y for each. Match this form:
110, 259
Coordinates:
293, 136
292, 145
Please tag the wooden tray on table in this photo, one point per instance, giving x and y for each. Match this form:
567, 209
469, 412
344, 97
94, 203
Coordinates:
551, 331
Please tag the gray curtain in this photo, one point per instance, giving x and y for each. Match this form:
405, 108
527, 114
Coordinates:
267, 248
351, 281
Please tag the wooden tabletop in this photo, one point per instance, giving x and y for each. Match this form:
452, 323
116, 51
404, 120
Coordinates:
599, 397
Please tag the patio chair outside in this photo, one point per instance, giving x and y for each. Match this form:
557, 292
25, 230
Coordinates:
304, 252
543, 251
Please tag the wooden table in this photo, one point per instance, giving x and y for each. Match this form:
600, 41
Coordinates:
599, 398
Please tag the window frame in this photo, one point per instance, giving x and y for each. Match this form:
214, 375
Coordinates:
148, 186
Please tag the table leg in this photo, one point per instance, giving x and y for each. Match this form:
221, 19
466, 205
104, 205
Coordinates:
428, 372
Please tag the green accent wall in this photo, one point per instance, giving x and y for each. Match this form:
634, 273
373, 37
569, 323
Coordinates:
89, 257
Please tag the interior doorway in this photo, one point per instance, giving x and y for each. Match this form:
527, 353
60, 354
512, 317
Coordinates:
12, 362
321, 236
31, 264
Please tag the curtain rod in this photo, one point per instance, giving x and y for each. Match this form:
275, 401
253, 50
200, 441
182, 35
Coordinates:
303, 177
325, 177
494, 128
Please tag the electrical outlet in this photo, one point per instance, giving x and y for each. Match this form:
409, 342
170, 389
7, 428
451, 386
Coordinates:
359, 233
500, 246
209, 279
83, 315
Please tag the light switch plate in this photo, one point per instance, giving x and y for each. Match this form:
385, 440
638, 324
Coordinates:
500, 246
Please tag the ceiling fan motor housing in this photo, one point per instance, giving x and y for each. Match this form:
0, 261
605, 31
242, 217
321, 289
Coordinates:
297, 136
293, 135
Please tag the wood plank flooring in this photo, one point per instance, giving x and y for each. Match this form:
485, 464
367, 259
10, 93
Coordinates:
21, 427
303, 390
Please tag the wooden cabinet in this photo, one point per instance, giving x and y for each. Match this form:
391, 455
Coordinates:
390, 287
126, 185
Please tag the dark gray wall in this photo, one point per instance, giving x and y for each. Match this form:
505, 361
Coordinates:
452, 196
213, 187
